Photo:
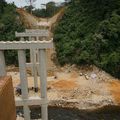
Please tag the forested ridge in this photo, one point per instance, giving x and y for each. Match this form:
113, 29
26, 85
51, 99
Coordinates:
89, 33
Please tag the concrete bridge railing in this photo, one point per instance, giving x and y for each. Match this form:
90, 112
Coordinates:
25, 100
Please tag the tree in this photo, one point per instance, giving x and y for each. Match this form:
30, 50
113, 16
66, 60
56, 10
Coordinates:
2, 5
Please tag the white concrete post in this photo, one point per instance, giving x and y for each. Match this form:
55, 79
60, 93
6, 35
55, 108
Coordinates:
24, 82
37, 38
2, 64
31, 57
43, 84
33, 68
35, 71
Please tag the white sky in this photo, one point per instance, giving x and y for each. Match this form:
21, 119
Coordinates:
37, 4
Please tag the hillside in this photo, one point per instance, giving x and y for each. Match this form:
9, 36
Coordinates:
9, 23
89, 33
86, 36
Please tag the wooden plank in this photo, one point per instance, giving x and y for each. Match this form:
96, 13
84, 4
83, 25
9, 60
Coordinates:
18, 45
2, 64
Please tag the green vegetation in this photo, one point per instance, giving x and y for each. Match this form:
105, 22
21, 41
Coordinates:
48, 11
89, 33
9, 23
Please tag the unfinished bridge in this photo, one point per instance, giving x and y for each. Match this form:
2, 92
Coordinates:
38, 50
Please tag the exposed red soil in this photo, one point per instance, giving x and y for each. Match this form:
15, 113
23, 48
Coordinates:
114, 88
64, 85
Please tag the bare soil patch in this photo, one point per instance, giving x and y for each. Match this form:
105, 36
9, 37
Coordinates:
114, 88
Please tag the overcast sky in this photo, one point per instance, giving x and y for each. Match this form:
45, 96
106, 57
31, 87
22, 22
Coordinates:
37, 4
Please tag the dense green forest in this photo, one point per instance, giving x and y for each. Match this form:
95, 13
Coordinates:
89, 33
9, 23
